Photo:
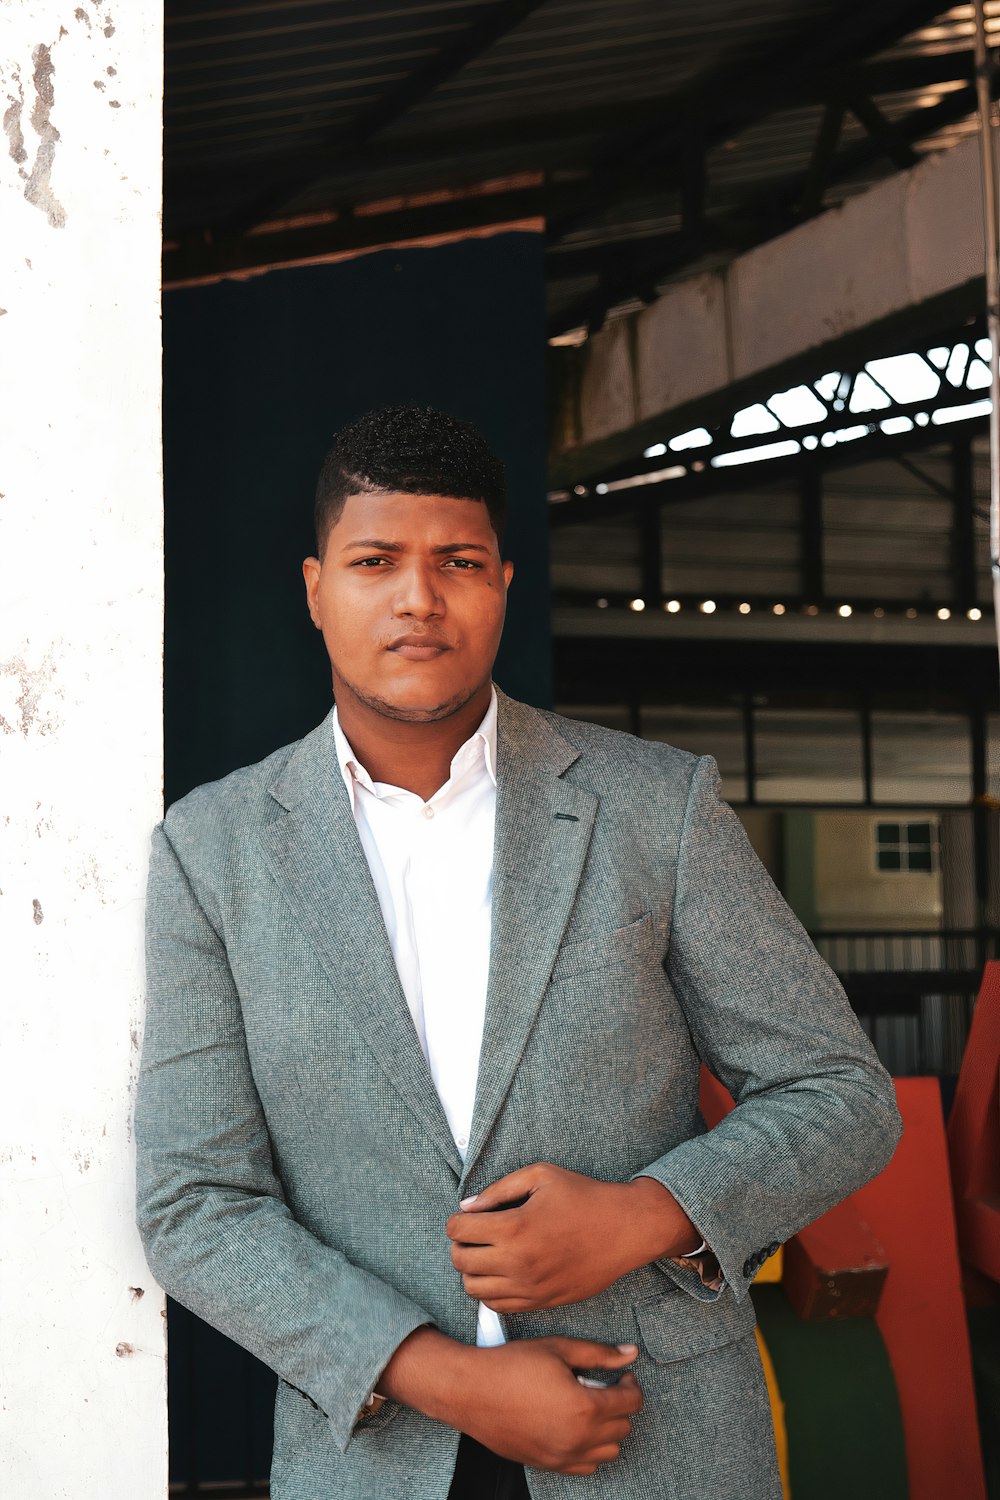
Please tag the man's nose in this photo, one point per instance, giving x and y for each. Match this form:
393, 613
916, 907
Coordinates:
417, 592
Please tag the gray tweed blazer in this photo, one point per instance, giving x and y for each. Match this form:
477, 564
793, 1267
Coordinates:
295, 1168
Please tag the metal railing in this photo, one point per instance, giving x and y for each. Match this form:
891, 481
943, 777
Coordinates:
909, 954
913, 990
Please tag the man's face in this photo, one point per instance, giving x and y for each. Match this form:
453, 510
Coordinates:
410, 597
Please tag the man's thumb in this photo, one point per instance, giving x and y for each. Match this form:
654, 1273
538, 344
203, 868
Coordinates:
505, 1192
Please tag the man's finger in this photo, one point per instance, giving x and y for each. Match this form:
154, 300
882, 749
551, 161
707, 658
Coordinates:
585, 1354
475, 1229
476, 1260
623, 1399
515, 1186
492, 1289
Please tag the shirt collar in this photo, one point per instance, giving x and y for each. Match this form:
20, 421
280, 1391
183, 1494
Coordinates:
481, 746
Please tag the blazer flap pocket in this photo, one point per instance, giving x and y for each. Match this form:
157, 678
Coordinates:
601, 950
676, 1326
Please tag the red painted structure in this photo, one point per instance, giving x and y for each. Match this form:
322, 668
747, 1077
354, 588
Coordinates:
921, 1316
974, 1135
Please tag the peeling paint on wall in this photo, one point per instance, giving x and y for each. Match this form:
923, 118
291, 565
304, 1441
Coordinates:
28, 713
38, 180
12, 122
38, 188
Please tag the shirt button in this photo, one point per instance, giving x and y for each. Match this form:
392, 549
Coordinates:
462, 1142
428, 812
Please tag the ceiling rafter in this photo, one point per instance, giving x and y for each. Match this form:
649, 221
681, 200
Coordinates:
740, 95
537, 140
774, 210
347, 140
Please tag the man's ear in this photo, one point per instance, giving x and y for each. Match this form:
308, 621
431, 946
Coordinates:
311, 569
508, 572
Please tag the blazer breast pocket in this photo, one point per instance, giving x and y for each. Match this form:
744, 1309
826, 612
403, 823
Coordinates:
621, 944
675, 1326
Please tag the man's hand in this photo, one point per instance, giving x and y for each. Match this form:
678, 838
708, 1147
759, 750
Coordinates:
562, 1237
521, 1400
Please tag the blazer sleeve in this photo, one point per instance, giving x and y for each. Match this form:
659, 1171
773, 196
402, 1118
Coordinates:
815, 1114
218, 1234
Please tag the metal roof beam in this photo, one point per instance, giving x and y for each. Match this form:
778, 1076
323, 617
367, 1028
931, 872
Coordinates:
346, 141
768, 315
529, 141
743, 94
778, 208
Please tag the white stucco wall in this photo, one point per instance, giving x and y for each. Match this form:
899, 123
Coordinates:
82, 1370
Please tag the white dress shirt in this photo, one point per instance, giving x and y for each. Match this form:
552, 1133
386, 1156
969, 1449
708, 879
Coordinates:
432, 865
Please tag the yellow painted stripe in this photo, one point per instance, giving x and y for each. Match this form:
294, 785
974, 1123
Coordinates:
771, 1269
777, 1414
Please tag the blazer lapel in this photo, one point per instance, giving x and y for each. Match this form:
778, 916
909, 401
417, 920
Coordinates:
543, 828
316, 856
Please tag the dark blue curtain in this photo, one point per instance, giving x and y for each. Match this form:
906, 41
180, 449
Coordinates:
258, 376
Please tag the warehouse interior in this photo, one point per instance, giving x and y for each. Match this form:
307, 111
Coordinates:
711, 279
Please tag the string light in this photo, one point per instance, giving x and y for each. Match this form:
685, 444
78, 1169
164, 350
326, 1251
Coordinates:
845, 611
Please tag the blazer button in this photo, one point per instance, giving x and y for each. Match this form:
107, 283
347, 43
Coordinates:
748, 1268
774, 1247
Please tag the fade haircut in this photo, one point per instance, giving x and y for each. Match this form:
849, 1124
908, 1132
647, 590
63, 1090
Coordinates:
409, 450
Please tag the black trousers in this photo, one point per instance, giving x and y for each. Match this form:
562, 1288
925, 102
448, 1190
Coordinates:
482, 1475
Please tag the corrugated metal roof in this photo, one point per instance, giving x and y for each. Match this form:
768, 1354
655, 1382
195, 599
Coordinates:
260, 93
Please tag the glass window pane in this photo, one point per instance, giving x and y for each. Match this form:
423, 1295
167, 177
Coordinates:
921, 758
918, 833
808, 755
888, 859
919, 859
888, 833
705, 731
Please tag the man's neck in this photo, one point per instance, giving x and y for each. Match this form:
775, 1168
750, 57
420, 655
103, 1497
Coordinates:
416, 757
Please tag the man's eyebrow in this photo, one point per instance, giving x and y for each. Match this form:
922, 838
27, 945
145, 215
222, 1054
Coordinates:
376, 545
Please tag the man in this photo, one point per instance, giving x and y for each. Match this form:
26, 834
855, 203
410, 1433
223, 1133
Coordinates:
428, 996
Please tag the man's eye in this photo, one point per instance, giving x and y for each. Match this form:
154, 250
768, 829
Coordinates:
462, 562
369, 562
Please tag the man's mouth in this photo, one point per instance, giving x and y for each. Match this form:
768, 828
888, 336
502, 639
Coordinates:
419, 647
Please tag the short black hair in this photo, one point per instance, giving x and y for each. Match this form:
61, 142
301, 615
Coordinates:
409, 450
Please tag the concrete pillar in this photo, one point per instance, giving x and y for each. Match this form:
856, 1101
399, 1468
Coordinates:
81, 1324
